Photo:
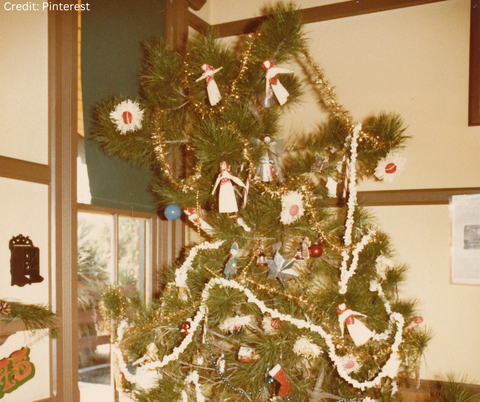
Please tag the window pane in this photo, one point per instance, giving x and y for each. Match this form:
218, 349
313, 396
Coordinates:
131, 254
94, 273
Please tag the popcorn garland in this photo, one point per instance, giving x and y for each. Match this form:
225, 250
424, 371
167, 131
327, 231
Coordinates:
390, 368
352, 185
347, 273
193, 378
181, 272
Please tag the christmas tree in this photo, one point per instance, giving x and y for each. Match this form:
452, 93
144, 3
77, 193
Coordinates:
290, 292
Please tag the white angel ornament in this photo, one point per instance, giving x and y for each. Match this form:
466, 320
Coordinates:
212, 87
227, 202
272, 82
357, 330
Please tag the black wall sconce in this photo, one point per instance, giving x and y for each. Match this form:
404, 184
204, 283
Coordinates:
24, 261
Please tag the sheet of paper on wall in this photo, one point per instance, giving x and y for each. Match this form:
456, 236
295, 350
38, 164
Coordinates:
465, 214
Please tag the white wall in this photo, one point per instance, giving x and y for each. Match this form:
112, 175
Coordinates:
412, 61
24, 206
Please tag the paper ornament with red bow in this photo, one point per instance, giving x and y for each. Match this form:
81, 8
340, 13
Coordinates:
212, 87
272, 82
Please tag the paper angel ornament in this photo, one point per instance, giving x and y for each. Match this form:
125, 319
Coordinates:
212, 88
227, 202
272, 82
357, 330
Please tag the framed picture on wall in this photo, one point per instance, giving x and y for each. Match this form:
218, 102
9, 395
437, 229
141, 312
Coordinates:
474, 79
465, 213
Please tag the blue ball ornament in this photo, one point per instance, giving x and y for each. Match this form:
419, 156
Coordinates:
173, 212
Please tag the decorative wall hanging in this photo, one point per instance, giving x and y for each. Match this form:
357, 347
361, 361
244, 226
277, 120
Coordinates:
15, 370
24, 261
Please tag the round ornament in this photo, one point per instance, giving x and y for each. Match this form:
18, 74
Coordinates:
390, 168
275, 323
316, 251
173, 212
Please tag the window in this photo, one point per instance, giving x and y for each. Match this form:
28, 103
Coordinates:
114, 247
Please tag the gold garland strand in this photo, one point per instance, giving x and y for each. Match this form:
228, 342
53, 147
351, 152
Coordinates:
184, 185
328, 94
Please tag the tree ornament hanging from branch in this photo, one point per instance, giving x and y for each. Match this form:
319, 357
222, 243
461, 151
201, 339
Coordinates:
390, 167
281, 268
212, 87
272, 82
127, 116
231, 265
292, 207
227, 203
357, 329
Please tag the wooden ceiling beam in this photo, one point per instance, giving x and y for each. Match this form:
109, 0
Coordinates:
323, 13
196, 4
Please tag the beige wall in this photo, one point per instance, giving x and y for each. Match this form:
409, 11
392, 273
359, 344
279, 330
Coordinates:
412, 61
24, 206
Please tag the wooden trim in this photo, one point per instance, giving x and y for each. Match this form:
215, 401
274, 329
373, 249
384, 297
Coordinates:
18, 169
196, 4
427, 385
62, 99
92, 341
112, 211
176, 23
195, 22
433, 196
85, 317
474, 79
323, 13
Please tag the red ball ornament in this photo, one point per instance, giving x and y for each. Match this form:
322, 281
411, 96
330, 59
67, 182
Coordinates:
127, 117
275, 323
390, 168
316, 251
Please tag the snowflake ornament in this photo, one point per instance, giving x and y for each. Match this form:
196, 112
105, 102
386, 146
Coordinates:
349, 363
292, 207
390, 167
306, 348
127, 116
382, 265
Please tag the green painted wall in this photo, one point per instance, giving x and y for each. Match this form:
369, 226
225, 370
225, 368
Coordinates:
112, 33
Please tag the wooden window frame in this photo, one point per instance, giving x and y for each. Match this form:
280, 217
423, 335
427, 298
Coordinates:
474, 76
